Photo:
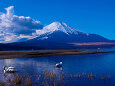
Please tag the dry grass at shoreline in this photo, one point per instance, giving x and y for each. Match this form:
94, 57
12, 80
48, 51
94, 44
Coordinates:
20, 54
53, 79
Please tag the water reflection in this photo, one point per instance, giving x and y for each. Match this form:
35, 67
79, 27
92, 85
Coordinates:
99, 64
9, 76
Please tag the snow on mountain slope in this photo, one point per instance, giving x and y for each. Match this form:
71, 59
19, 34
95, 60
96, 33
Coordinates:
60, 32
59, 26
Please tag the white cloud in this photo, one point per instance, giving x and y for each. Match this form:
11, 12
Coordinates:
15, 28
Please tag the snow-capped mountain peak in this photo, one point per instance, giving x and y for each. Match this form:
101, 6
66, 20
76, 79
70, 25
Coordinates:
59, 26
59, 33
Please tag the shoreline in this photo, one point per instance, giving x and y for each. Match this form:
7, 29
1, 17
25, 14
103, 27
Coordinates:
24, 54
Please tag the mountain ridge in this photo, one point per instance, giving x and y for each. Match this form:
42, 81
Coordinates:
59, 26
58, 35
61, 32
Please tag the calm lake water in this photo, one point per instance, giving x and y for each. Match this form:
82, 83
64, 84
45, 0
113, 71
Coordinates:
99, 64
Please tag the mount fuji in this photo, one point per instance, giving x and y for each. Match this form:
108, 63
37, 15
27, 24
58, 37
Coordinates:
59, 35
60, 32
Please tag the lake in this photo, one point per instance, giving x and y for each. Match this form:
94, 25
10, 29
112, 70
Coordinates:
98, 64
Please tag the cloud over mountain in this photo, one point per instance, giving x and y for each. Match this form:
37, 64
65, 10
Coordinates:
17, 28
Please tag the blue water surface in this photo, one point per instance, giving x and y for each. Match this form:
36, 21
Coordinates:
99, 64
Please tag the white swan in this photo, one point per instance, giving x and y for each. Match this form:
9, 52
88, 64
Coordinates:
9, 69
59, 65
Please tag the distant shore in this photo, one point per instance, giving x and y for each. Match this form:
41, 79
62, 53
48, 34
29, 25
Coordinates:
22, 54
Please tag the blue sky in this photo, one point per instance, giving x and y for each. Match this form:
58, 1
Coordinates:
92, 16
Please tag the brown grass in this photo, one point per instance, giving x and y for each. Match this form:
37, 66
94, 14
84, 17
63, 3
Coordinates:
52, 79
20, 54
94, 43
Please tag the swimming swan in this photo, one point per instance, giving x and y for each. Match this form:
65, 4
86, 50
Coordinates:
9, 69
59, 65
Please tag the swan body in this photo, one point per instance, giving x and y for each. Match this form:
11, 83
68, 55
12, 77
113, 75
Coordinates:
59, 65
9, 69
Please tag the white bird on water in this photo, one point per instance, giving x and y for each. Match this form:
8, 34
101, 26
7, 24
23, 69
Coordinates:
59, 65
9, 69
